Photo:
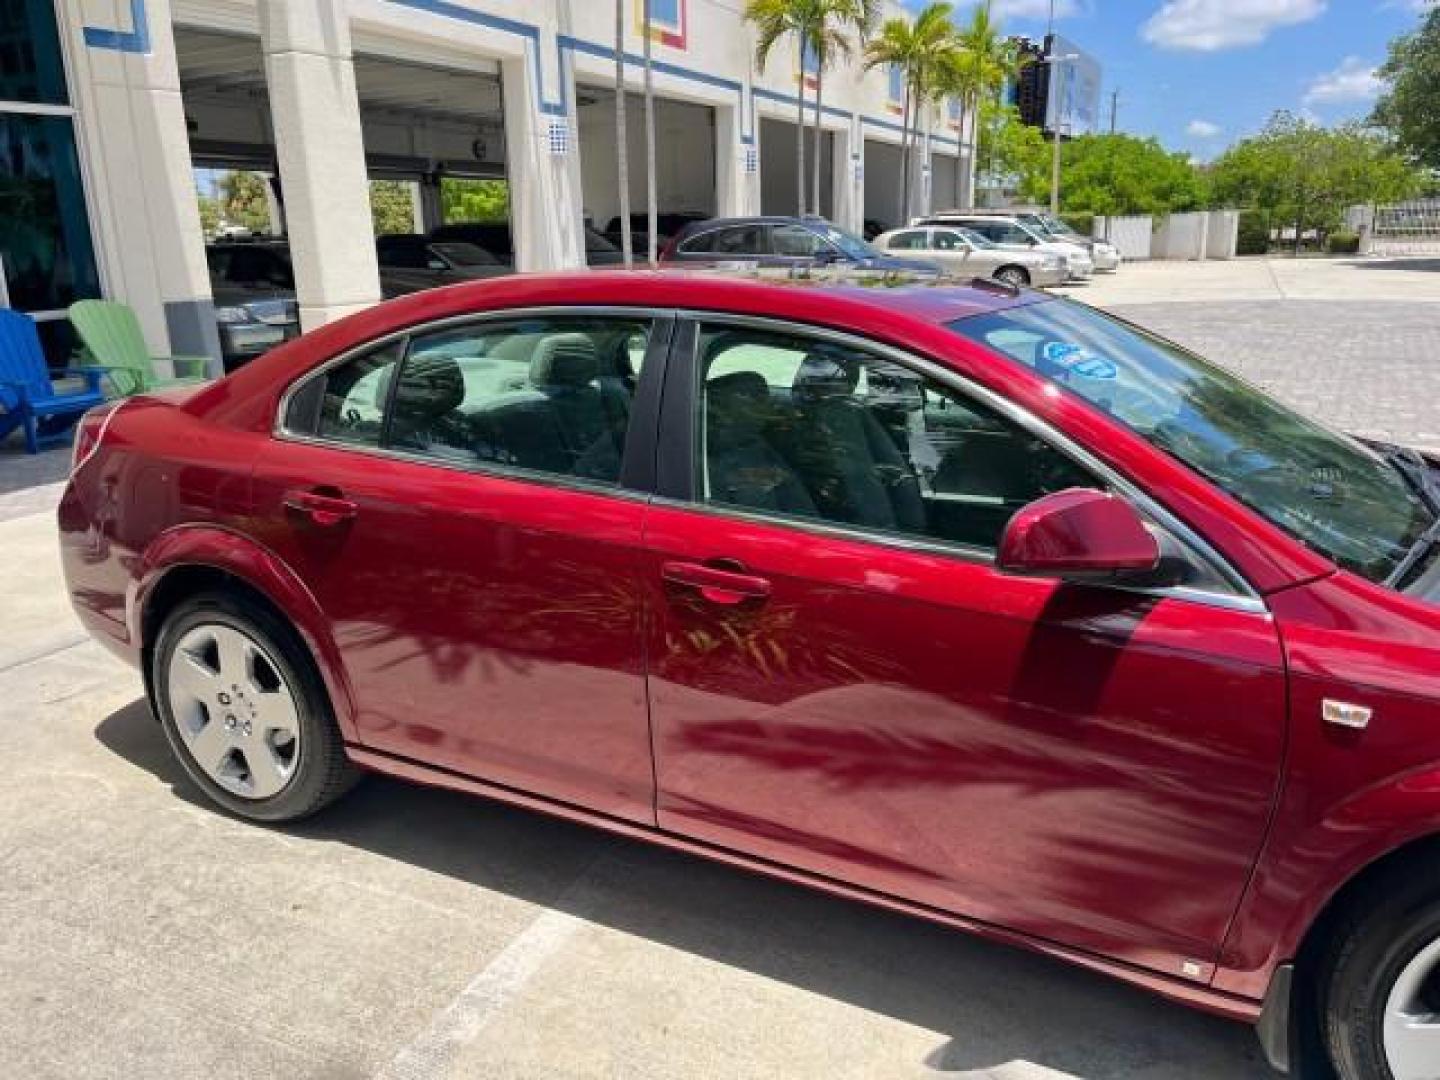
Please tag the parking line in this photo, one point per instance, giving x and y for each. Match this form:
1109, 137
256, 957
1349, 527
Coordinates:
492, 988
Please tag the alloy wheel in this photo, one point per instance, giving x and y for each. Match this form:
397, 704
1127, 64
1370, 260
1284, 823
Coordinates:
1412, 1019
233, 709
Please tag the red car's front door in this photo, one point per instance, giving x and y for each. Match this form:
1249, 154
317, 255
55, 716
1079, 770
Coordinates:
469, 539
841, 680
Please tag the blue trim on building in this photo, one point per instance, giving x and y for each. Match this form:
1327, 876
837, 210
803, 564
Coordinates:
134, 40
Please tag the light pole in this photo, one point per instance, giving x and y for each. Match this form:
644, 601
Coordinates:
1054, 103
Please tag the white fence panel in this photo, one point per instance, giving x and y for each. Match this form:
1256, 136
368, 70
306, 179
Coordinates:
1181, 237
1132, 235
1223, 237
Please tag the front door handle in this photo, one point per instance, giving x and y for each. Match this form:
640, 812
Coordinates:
718, 586
321, 508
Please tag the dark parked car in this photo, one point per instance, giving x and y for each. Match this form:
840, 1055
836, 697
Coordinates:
971, 602
254, 289
783, 242
667, 225
495, 237
410, 262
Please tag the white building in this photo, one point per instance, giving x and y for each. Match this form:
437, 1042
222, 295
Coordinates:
117, 102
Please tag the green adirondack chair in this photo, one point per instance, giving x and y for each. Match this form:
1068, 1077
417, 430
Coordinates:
114, 344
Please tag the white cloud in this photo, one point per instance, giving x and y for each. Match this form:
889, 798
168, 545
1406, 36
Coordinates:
1033, 9
1202, 129
1353, 80
1211, 25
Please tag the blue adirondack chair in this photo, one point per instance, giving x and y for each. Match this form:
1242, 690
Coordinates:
27, 396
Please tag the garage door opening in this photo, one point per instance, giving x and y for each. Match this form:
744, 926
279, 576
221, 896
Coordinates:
779, 192
434, 142
882, 184
685, 179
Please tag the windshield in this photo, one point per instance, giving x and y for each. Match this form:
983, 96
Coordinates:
1329, 491
853, 246
1055, 227
458, 253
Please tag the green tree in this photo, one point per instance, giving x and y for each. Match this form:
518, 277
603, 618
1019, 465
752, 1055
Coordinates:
830, 40
1014, 153
243, 200
209, 214
924, 51
474, 200
774, 20
1301, 174
1411, 107
1122, 174
976, 72
391, 208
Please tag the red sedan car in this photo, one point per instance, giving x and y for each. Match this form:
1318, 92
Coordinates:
967, 601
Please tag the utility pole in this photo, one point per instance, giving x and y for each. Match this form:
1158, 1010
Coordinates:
1052, 107
1114, 108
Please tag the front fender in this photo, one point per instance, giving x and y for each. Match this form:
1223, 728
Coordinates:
1303, 871
215, 547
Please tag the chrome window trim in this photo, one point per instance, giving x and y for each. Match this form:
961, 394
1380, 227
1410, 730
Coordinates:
281, 433
1245, 597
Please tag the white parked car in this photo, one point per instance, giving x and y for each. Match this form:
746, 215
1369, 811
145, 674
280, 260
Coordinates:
965, 252
1105, 255
1012, 233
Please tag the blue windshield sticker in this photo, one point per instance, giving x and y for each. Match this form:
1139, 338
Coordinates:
1063, 358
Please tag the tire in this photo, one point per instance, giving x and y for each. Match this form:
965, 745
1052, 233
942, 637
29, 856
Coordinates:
1017, 276
1386, 955
279, 718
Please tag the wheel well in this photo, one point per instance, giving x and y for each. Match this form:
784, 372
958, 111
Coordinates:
1312, 954
1013, 266
179, 585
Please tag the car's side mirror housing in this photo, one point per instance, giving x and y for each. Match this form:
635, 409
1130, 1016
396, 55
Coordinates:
1080, 535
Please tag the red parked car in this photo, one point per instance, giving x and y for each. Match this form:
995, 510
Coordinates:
966, 601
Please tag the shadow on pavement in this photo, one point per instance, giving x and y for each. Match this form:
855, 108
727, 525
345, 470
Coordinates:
1412, 263
19, 470
997, 1006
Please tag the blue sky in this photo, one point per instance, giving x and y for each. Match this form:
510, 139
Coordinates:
1201, 73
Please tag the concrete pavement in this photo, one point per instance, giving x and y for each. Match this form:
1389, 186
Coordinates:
1249, 279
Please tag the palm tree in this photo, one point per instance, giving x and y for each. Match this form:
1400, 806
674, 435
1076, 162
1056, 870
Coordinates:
922, 50
828, 38
622, 146
978, 69
773, 20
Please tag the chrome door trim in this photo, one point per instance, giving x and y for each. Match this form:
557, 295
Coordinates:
1245, 597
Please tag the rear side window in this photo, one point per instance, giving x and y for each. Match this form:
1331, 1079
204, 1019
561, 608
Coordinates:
914, 240
700, 245
741, 240
347, 403
543, 395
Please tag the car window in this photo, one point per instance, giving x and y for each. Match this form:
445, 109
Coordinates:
347, 403
546, 395
259, 266
914, 240
811, 429
740, 240
1002, 232
795, 241
410, 254
702, 244
949, 240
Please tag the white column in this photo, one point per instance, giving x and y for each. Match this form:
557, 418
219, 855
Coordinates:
847, 180
542, 160
311, 79
146, 217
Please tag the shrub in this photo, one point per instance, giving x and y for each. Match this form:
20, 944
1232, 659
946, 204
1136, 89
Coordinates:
1254, 234
1342, 243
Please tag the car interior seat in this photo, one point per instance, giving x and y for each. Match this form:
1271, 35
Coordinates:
742, 467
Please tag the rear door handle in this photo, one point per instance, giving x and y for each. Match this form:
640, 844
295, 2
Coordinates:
324, 510
726, 587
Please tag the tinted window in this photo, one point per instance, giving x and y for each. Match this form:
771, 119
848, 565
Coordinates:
795, 241
411, 254
908, 241
702, 244
815, 430
347, 403
31, 63
548, 395
740, 240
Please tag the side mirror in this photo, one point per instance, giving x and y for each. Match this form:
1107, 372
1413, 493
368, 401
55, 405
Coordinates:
1080, 535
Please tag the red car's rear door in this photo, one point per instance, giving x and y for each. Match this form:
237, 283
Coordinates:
841, 680
457, 502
